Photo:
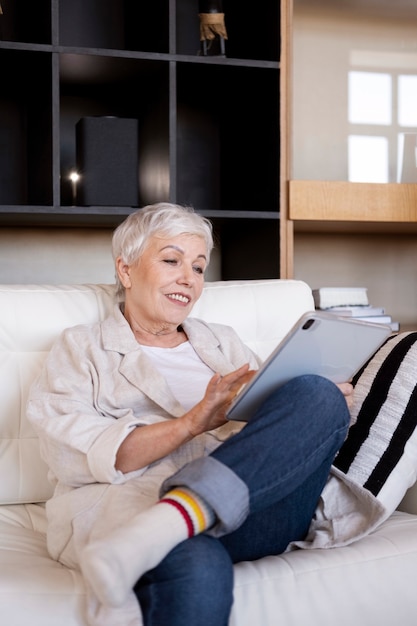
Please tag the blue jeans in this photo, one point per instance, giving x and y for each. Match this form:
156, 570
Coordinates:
263, 484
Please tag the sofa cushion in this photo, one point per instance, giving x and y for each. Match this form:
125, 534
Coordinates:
380, 452
31, 318
363, 584
35, 589
260, 311
367, 583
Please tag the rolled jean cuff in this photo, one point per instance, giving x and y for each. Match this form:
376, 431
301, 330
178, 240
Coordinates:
221, 489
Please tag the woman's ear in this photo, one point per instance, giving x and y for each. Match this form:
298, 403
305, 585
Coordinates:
123, 272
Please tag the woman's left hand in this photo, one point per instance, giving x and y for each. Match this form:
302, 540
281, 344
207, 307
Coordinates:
347, 390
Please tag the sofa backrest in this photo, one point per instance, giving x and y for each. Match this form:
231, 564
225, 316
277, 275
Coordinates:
32, 316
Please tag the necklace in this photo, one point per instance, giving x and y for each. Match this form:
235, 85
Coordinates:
162, 340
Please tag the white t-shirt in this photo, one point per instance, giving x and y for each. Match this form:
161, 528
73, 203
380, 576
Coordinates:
184, 371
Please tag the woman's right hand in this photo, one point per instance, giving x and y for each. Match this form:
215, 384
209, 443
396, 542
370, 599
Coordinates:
147, 444
210, 412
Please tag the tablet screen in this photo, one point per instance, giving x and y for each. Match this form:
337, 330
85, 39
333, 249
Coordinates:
319, 343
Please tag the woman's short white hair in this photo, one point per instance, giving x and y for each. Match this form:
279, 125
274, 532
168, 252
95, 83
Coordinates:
165, 219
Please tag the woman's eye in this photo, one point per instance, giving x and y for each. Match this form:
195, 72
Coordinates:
196, 268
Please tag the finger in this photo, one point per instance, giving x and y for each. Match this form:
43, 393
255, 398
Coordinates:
346, 388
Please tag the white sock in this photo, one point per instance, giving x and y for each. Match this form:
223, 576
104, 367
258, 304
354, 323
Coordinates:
113, 565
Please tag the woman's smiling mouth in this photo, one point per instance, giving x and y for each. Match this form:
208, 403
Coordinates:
179, 297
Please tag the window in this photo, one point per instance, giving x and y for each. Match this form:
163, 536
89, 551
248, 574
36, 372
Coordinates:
382, 117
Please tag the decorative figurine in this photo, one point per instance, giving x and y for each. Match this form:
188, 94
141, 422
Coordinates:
212, 28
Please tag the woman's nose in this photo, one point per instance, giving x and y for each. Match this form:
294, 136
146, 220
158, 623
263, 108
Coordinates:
187, 274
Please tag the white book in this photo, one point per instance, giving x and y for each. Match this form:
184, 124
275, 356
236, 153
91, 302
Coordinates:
381, 319
376, 319
326, 297
356, 311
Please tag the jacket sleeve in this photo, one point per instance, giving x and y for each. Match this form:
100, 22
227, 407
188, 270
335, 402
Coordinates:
78, 440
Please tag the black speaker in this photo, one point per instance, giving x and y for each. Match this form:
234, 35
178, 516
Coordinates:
107, 161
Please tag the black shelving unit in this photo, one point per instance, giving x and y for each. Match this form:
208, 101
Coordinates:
208, 125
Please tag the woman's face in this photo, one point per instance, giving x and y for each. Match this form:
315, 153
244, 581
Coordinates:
164, 284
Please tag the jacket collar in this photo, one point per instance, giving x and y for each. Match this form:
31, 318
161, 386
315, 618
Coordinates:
136, 367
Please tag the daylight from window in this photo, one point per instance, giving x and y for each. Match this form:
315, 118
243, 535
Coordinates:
407, 100
382, 114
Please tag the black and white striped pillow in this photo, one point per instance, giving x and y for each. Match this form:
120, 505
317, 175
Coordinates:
380, 451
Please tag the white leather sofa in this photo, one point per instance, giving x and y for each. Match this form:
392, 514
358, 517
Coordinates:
371, 582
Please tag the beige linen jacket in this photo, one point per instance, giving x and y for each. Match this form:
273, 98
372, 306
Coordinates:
96, 386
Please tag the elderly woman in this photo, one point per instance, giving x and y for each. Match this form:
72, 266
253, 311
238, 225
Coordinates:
156, 494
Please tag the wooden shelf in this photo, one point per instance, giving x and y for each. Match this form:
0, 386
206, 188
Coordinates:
104, 217
328, 201
208, 126
349, 227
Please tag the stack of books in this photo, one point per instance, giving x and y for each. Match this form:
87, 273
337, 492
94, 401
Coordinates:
352, 302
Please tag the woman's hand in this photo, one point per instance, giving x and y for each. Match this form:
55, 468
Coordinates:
147, 444
210, 412
347, 390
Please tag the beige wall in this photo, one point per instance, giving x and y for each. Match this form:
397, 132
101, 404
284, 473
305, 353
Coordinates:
323, 45
53, 256
58, 256
386, 265
326, 45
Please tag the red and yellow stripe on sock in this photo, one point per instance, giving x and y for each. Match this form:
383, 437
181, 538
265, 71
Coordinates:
197, 515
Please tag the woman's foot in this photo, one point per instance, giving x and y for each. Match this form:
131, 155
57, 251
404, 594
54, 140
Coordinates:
113, 565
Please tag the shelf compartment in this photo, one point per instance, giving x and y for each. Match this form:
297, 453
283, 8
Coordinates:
110, 86
25, 128
228, 137
253, 33
26, 21
240, 241
121, 25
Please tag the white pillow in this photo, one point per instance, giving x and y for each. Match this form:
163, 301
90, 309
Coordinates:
380, 451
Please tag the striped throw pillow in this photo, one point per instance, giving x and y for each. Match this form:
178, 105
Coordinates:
380, 451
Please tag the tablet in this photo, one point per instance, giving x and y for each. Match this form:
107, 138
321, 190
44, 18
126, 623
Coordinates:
319, 343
